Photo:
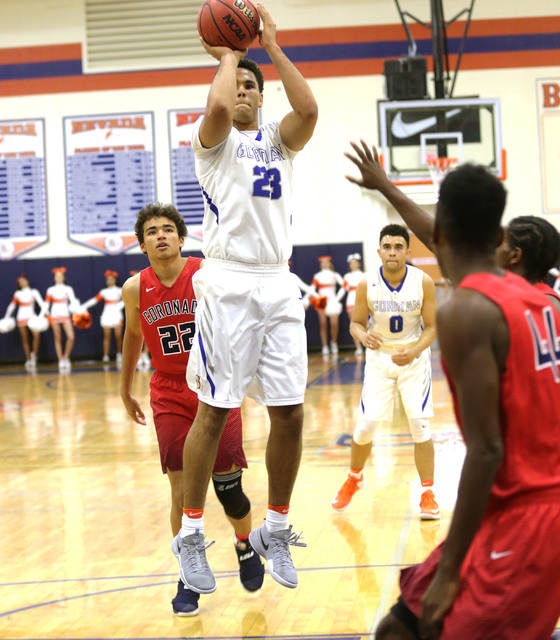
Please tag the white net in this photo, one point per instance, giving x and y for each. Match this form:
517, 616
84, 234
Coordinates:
438, 168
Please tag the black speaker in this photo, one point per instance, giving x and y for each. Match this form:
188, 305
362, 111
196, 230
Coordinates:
406, 78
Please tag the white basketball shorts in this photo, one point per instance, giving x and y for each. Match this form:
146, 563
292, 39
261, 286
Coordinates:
250, 336
382, 377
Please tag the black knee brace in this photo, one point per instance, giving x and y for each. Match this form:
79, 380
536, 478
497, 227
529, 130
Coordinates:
230, 494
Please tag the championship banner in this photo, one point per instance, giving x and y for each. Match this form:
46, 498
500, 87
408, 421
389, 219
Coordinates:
187, 196
548, 100
23, 197
110, 176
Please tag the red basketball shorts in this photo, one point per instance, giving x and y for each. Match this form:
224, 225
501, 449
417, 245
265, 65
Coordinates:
510, 578
174, 408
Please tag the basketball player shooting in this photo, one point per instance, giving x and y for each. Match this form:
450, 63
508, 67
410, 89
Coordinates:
250, 334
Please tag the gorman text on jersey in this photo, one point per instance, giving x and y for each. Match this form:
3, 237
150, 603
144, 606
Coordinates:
262, 155
391, 306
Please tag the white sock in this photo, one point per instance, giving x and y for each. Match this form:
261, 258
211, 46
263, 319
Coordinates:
358, 476
276, 521
424, 488
191, 525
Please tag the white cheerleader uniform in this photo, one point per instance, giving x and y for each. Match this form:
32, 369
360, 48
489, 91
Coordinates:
350, 283
25, 300
250, 336
61, 299
112, 315
396, 315
325, 282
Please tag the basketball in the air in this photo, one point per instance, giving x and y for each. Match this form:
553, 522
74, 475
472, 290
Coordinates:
228, 23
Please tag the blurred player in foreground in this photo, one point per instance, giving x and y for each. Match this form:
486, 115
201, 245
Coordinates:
497, 575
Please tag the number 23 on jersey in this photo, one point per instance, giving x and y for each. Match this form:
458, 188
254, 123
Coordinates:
267, 183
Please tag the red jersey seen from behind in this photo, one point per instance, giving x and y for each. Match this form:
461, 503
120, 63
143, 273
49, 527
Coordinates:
530, 389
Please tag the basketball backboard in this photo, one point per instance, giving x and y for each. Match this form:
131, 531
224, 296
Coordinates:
468, 129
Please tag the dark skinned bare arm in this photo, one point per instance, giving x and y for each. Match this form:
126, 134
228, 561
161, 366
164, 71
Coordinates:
375, 178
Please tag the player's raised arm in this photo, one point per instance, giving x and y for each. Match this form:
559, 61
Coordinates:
374, 177
297, 126
132, 347
218, 115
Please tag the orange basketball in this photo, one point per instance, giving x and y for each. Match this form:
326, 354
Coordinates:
228, 23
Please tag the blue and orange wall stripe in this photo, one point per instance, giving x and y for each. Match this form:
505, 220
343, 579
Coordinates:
319, 53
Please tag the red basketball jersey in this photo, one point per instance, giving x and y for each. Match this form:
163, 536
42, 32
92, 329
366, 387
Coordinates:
530, 388
167, 315
548, 291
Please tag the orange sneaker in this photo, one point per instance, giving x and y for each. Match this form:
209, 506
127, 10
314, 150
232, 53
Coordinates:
429, 509
344, 495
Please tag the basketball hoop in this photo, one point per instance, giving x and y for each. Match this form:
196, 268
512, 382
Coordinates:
438, 168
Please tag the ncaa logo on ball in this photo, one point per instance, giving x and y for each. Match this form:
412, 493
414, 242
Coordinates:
235, 29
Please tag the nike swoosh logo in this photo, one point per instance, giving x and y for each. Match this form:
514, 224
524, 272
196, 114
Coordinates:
496, 555
262, 541
150, 289
403, 130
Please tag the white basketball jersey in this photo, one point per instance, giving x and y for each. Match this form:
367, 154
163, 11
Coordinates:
246, 184
396, 314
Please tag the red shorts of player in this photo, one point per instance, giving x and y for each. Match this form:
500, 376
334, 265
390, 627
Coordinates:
174, 407
510, 578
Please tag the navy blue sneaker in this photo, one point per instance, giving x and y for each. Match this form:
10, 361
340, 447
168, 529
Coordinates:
251, 569
185, 603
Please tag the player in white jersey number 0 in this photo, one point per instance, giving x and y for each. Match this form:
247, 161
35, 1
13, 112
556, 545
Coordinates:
394, 318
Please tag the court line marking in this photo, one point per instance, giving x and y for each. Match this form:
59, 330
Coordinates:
225, 574
393, 572
220, 574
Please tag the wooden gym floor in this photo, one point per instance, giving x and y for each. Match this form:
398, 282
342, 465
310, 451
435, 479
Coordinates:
85, 546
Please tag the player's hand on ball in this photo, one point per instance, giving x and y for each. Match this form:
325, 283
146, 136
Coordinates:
267, 34
219, 52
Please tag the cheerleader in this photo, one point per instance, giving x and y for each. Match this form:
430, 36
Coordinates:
25, 298
60, 303
350, 283
112, 315
325, 282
